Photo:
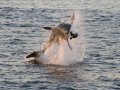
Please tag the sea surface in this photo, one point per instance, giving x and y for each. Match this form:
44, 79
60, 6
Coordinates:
21, 33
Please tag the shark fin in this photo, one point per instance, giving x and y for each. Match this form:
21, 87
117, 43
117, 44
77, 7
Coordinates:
69, 45
72, 18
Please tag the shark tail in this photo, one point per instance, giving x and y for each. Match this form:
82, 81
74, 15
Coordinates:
34, 54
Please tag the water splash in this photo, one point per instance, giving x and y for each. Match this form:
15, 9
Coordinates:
62, 54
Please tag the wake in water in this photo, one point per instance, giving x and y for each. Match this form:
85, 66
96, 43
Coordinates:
65, 45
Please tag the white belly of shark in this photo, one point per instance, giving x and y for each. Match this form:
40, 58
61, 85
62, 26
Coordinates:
61, 54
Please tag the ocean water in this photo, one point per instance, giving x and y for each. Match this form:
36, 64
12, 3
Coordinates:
21, 32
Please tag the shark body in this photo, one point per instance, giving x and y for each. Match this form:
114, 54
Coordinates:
61, 31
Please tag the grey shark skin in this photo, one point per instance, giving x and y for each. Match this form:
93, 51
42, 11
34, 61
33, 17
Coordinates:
61, 31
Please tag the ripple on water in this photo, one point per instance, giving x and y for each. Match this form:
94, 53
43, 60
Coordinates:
20, 28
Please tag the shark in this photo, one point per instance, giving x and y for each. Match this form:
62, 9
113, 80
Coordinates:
60, 32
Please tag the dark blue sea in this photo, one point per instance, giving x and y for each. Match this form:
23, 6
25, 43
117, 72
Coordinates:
21, 33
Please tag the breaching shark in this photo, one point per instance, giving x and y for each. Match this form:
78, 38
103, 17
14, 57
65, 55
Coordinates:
61, 31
